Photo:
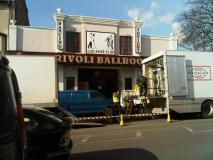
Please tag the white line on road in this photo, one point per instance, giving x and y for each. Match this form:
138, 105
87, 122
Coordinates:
84, 140
110, 140
189, 129
138, 134
197, 131
205, 131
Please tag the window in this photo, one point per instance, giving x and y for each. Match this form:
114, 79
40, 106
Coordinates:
8, 108
3, 44
128, 83
80, 97
7, 99
70, 83
125, 45
72, 42
96, 95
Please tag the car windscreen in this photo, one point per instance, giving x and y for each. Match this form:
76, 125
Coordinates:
8, 111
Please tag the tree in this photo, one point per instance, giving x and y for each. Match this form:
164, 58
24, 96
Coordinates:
197, 25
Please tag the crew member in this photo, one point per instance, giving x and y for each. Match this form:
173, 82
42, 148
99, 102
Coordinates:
128, 102
116, 101
142, 83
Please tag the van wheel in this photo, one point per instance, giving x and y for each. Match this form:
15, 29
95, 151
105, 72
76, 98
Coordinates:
207, 109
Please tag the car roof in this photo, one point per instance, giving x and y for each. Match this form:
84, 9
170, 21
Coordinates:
32, 107
41, 111
85, 90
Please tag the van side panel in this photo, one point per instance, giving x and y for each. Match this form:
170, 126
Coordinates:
79, 102
98, 102
65, 99
84, 101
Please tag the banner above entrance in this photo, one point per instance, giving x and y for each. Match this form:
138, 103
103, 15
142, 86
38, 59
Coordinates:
88, 59
85, 59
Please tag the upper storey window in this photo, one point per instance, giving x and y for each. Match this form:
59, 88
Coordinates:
72, 41
125, 45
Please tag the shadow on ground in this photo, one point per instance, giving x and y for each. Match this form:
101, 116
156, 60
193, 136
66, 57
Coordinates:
184, 116
116, 154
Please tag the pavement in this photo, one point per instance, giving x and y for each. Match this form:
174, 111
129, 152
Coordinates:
146, 140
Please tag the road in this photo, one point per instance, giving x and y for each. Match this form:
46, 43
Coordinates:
146, 140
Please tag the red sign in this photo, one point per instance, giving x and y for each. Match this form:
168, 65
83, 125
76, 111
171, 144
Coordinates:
99, 59
198, 72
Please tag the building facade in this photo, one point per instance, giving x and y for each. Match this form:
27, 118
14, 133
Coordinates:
11, 11
92, 53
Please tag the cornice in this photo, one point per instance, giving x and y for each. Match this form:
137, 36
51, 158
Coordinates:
97, 20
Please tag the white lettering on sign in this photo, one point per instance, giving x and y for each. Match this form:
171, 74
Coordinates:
198, 73
99, 60
60, 34
138, 40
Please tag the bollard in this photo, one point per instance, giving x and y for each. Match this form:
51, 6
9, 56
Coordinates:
121, 120
168, 118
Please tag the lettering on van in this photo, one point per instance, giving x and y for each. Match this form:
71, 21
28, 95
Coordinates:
99, 60
198, 73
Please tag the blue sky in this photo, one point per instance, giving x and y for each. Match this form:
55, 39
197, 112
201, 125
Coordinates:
158, 16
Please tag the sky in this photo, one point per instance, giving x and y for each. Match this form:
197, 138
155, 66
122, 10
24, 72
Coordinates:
158, 16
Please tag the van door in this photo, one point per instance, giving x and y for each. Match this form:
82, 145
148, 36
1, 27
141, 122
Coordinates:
80, 102
177, 82
98, 102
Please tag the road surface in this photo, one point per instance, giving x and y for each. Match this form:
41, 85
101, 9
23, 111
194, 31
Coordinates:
146, 140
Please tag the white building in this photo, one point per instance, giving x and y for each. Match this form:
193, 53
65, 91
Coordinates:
93, 53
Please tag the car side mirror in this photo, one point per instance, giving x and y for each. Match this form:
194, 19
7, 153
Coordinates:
68, 119
30, 124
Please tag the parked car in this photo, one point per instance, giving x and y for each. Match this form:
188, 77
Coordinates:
48, 135
12, 130
84, 101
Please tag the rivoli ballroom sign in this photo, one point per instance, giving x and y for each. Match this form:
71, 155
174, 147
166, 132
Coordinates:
97, 59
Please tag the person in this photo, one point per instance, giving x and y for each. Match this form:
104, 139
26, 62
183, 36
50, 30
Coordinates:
109, 41
91, 44
128, 101
142, 82
116, 101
